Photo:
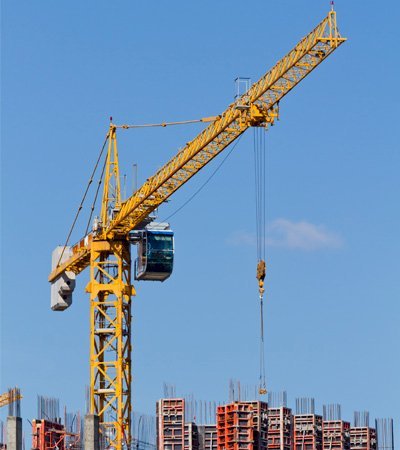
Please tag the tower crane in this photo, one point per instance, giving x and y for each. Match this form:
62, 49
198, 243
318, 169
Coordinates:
106, 250
12, 395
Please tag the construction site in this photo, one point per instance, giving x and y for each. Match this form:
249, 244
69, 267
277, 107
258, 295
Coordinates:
187, 424
119, 235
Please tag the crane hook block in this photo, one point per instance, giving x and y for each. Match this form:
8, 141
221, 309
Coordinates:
261, 272
63, 286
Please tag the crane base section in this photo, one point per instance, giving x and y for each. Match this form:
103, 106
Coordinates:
92, 440
110, 340
14, 433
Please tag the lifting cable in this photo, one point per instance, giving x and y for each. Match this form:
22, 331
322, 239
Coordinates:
206, 182
167, 124
83, 200
147, 125
89, 222
260, 198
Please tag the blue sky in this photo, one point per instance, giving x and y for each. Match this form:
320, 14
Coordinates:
333, 288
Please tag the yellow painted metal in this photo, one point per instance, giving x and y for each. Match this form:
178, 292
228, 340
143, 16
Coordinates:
110, 291
112, 185
261, 272
166, 124
259, 106
9, 397
107, 251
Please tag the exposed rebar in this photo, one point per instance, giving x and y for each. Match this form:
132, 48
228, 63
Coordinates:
332, 411
277, 399
305, 405
14, 406
384, 434
48, 408
361, 419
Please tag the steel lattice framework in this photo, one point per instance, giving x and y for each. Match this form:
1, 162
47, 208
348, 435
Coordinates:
110, 291
107, 250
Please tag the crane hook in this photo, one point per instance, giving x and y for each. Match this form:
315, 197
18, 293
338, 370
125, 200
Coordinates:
261, 272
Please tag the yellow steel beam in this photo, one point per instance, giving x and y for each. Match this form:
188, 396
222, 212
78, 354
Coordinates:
264, 94
257, 107
110, 291
9, 397
112, 189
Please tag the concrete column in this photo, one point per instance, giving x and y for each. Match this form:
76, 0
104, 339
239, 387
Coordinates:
14, 433
91, 432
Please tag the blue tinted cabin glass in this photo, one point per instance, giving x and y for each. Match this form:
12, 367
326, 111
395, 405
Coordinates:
155, 255
160, 252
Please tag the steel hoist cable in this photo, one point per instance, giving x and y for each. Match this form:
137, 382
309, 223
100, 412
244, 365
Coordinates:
83, 200
163, 124
206, 182
260, 200
95, 197
167, 124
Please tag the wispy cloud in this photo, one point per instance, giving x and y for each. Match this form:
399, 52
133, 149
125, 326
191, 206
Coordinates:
284, 233
301, 235
240, 238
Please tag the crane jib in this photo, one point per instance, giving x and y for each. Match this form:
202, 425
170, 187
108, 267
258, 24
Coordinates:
265, 94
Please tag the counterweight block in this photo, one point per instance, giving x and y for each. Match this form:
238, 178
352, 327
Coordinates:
63, 287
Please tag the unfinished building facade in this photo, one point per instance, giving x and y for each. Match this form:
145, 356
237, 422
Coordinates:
242, 426
170, 422
280, 428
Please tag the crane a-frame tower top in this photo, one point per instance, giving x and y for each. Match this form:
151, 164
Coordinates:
106, 249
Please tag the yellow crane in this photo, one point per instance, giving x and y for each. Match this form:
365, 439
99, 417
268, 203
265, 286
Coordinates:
107, 248
9, 397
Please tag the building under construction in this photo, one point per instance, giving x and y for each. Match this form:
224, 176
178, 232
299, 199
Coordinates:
253, 425
186, 424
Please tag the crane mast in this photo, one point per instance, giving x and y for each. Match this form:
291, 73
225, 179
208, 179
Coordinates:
107, 250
